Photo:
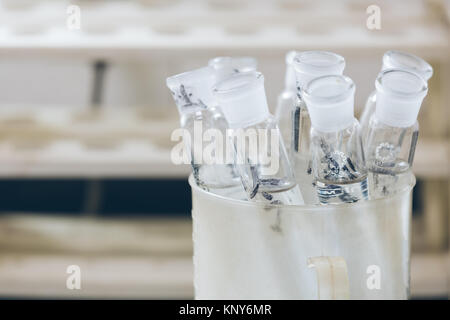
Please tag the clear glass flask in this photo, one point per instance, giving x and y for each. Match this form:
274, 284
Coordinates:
307, 66
261, 156
192, 92
393, 130
223, 68
338, 164
287, 101
394, 60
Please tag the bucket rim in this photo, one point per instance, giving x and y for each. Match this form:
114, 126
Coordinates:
312, 207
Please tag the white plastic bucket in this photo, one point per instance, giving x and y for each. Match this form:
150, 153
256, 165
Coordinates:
244, 250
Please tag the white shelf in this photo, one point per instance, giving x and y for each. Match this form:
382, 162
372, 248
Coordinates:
119, 258
140, 160
222, 25
65, 142
77, 163
48, 142
115, 277
140, 277
138, 29
142, 258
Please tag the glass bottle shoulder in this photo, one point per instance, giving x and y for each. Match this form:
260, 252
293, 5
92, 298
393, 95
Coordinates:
377, 125
209, 118
351, 131
390, 149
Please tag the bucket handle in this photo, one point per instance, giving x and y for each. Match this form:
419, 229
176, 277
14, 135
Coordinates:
332, 277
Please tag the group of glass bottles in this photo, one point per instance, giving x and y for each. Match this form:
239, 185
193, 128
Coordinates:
314, 150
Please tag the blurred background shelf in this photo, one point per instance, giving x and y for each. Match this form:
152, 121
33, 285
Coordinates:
67, 142
433, 159
86, 119
139, 159
119, 258
137, 258
212, 24
116, 142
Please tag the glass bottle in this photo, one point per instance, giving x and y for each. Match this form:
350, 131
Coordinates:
223, 68
308, 65
338, 165
192, 92
261, 156
393, 130
394, 60
287, 101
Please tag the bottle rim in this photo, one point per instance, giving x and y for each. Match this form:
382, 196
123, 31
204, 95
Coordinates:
386, 84
197, 87
238, 83
347, 89
317, 62
394, 59
238, 64
203, 74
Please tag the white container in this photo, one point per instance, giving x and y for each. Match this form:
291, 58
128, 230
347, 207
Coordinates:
244, 250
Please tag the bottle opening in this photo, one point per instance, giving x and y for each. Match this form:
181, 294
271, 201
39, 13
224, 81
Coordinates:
329, 89
245, 64
401, 83
192, 89
201, 76
236, 64
239, 83
406, 61
318, 62
220, 62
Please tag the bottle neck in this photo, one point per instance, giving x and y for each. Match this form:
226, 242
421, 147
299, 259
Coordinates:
396, 112
242, 99
399, 97
330, 101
